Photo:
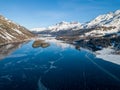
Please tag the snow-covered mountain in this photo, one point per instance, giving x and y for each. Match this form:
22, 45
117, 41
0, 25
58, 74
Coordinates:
60, 27
105, 24
101, 25
110, 19
11, 32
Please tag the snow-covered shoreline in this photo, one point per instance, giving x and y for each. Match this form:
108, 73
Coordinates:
107, 54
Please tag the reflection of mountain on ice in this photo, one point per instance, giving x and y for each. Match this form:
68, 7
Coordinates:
7, 50
59, 43
108, 54
63, 45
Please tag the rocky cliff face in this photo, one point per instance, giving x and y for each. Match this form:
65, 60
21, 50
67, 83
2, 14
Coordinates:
12, 32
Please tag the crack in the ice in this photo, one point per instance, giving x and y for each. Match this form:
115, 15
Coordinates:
53, 62
103, 69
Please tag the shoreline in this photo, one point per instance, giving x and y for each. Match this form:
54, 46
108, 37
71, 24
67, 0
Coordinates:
14, 42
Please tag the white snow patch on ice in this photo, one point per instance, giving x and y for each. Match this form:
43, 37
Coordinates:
107, 55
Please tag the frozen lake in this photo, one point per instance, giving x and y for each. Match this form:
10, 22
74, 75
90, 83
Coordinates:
59, 66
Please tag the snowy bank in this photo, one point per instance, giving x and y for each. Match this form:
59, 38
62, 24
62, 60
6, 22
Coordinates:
107, 54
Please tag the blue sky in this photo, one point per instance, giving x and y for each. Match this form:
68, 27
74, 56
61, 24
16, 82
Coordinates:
42, 13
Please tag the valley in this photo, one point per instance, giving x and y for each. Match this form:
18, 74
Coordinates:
64, 56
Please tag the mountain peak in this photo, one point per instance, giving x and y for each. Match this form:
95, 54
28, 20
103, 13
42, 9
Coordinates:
109, 19
117, 12
63, 22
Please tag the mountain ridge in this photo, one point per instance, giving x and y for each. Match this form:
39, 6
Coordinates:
60, 26
107, 23
12, 32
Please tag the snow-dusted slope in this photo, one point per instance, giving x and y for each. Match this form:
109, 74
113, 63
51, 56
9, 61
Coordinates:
60, 27
107, 23
110, 19
10, 31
